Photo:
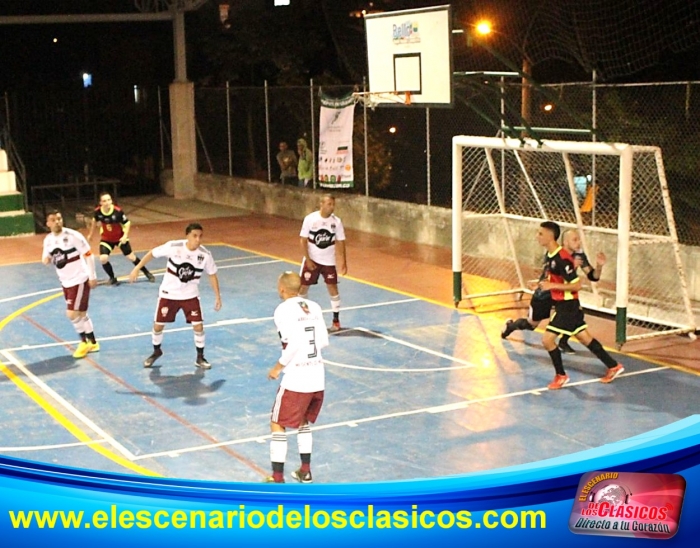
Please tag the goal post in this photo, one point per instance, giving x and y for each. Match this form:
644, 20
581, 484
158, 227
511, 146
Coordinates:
614, 194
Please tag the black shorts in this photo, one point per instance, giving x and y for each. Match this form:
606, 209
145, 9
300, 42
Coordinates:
540, 308
107, 247
568, 318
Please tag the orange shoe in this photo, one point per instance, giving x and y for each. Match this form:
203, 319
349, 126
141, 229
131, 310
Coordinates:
558, 382
612, 373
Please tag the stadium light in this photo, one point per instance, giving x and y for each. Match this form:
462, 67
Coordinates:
483, 28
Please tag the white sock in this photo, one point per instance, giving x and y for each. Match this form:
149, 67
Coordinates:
278, 447
305, 440
157, 338
335, 303
87, 324
199, 339
78, 324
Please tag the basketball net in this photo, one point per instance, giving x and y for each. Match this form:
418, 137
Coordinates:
374, 98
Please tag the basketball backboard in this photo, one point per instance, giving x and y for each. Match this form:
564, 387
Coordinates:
410, 51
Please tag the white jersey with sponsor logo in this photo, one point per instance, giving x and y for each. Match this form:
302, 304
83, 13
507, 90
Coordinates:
66, 250
184, 269
303, 333
322, 235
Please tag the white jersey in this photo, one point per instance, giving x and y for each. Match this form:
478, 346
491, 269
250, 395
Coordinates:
303, 333
70, 253
184, 269
321, 235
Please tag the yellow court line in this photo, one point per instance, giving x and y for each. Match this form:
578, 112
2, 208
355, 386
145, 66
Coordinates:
378, 286
22, 310
70, 426
55, 413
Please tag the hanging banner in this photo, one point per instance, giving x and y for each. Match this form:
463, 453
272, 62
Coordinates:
335, 142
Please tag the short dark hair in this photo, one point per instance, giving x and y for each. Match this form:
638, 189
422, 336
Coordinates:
193, 226
553, 228
53, 212
104, 192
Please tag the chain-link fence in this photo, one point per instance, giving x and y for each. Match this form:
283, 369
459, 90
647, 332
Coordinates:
409, 148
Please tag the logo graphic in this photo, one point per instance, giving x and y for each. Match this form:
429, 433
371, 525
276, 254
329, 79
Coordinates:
323, 239
185, 272
164, 311
406, 33
200, 258
304, 307
628, 504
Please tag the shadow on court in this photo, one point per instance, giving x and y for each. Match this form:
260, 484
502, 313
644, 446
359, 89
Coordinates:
191, 388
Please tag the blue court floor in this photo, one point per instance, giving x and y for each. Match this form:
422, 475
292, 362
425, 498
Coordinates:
414, 389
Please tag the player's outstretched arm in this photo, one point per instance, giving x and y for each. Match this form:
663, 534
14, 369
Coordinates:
125, 229
93, 222
304, 244
143, 262
340, 257
214, 281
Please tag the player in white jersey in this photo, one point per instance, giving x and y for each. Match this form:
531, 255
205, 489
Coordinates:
70, 254
322, 239
299, 398
188, 260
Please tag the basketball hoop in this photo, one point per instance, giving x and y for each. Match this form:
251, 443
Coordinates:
374, 98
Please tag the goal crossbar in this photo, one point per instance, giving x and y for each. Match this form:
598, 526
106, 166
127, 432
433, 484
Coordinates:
503, 187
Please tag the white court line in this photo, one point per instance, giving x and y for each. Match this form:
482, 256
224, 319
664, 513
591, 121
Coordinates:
396, 370
414, 346
67, 406
58, 289
220, 323
26, 295
49, 447
356, 422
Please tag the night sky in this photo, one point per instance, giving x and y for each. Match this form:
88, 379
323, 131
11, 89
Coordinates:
142, 53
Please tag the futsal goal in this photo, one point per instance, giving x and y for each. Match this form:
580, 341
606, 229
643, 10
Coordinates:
615, 194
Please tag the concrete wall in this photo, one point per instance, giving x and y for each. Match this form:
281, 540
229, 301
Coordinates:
414, 223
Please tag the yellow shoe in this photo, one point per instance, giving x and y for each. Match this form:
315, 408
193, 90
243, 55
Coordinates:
82, 350
94, 347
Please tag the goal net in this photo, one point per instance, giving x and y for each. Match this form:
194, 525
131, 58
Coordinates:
615, 194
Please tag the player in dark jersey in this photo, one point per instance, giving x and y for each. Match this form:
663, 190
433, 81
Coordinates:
541, 303
563, 283
114, 233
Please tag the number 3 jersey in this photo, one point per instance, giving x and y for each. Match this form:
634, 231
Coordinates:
183, 270
322, 234
66, 252
303, 333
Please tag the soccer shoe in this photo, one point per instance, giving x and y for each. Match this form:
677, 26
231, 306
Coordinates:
151, 277
271, 479
558, 382
148, 362
302, 477
82, 350
113, 281
612, 373
94, 347
335, 327
565, 348
508, 329
202, 362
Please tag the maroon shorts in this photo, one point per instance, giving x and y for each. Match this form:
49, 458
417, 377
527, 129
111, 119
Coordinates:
167, 309
310, 277
77, 297
291, 408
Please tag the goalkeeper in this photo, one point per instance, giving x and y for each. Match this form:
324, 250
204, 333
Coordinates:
541, 303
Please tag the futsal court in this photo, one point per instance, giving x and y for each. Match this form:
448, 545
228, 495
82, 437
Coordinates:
415, 388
